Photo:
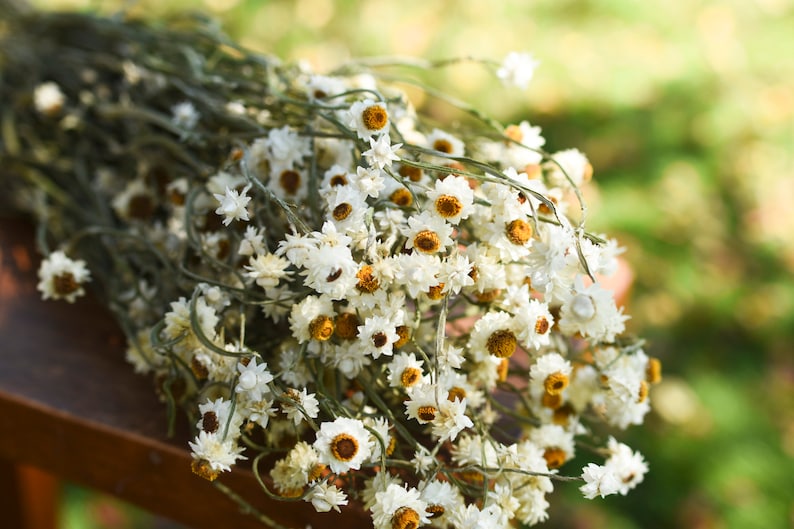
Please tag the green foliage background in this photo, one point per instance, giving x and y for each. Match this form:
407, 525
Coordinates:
686, 110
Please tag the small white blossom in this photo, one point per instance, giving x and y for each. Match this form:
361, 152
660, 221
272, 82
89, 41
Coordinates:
325, 496
184, 115
517, 69
48, 99
233, 204
381, 152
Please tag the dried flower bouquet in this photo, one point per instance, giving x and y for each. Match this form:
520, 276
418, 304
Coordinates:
367, 306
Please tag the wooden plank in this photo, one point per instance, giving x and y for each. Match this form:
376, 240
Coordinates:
71, 405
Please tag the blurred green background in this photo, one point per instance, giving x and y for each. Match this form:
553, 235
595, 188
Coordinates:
686, 110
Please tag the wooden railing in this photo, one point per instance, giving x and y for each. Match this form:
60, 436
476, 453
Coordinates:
72, 407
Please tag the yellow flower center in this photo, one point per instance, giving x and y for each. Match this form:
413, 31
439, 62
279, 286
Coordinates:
375, 117
199, 370
552, 402
434, 511
140, 207
316, 472
502, 369
519, 232
404, 334
410, 376
344, 447
456, 392
366, 281
342, 211
542, 325
588, 173
653, 371
554, 457
555, 383
209, 422
333, 276
402, 197
65, 283
442, 145
488, 295
546, 210
338, 180
562, 413
426, 413
427, 241
514, 133
436, 292
321, 328
502, 344
414, 174
448, 206
290, 181
405, 518
291, 493
379, 339
643, 393
202, 468
347, 325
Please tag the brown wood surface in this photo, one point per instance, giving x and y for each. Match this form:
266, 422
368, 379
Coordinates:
72, 406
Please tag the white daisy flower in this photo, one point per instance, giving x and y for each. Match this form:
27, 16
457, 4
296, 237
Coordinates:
323, 88
417, 272
217, 415
550, 374
568, 168
405, 371
556, 442
427, 233
494, 334
368, 118
286, 150
347, 207
452, 198
330, 270
627, 464
220, 181
62, 278
423, 403
442, 498
312, 319
350, 359
212, 454
298, 468
342, 444
537, 323
399, 507
377, 336
444, 142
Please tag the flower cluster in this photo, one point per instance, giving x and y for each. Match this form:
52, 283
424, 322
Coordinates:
368, 307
